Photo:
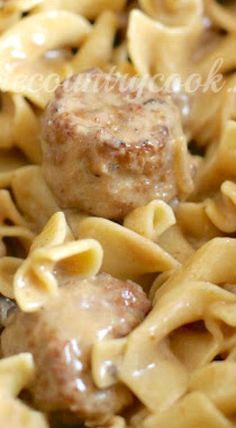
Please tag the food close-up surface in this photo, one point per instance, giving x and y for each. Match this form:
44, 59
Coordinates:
117, 214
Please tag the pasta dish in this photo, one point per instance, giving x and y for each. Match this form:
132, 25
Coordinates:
118, 213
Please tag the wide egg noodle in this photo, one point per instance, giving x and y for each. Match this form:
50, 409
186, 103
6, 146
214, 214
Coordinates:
171, 53
156, 221
32, 195
174, 242
8, 17
19, 5
193, 410
206, 217
218, 164
222, 15
222, 102
88, 8
221, 208
10, 161
53, 253
12, 224
23, 47
13, 227
217, 381
19, 219
19, 127
8, 269
16, 373
173, 13
180, 53
197, 301
151, 220
126, 253
195, 223
97, 50
26, 129
107, 354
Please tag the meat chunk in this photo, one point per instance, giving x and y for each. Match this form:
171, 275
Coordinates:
109, 144
61, 335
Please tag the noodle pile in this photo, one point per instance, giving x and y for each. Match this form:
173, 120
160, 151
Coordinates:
180, 363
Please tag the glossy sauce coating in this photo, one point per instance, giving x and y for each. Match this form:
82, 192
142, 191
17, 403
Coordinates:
109, 144
61, 336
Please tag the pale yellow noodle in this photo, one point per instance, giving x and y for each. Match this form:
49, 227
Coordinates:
172, 12
222, 15
22, 61
98, 48
174, 242
181, 301
21, 5
195, 223
8, 18
219, 163
9, 163
224, 51
156, 221
126, 254
171, 53
105, 354
151, 220
33, 196
54, 251
222, 103
8, 268
192, 411
19, 126
12, 224
16, 373
217, 381
88, 8
221, 210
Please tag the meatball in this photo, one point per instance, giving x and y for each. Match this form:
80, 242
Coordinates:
109, 144
61, 335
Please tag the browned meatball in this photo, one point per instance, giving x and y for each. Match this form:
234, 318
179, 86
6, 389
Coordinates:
61, 335
108, 148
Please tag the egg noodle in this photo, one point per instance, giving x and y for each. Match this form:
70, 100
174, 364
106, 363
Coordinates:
180, 363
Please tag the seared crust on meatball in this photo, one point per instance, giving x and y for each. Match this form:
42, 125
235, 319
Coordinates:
61, 335
109, 144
